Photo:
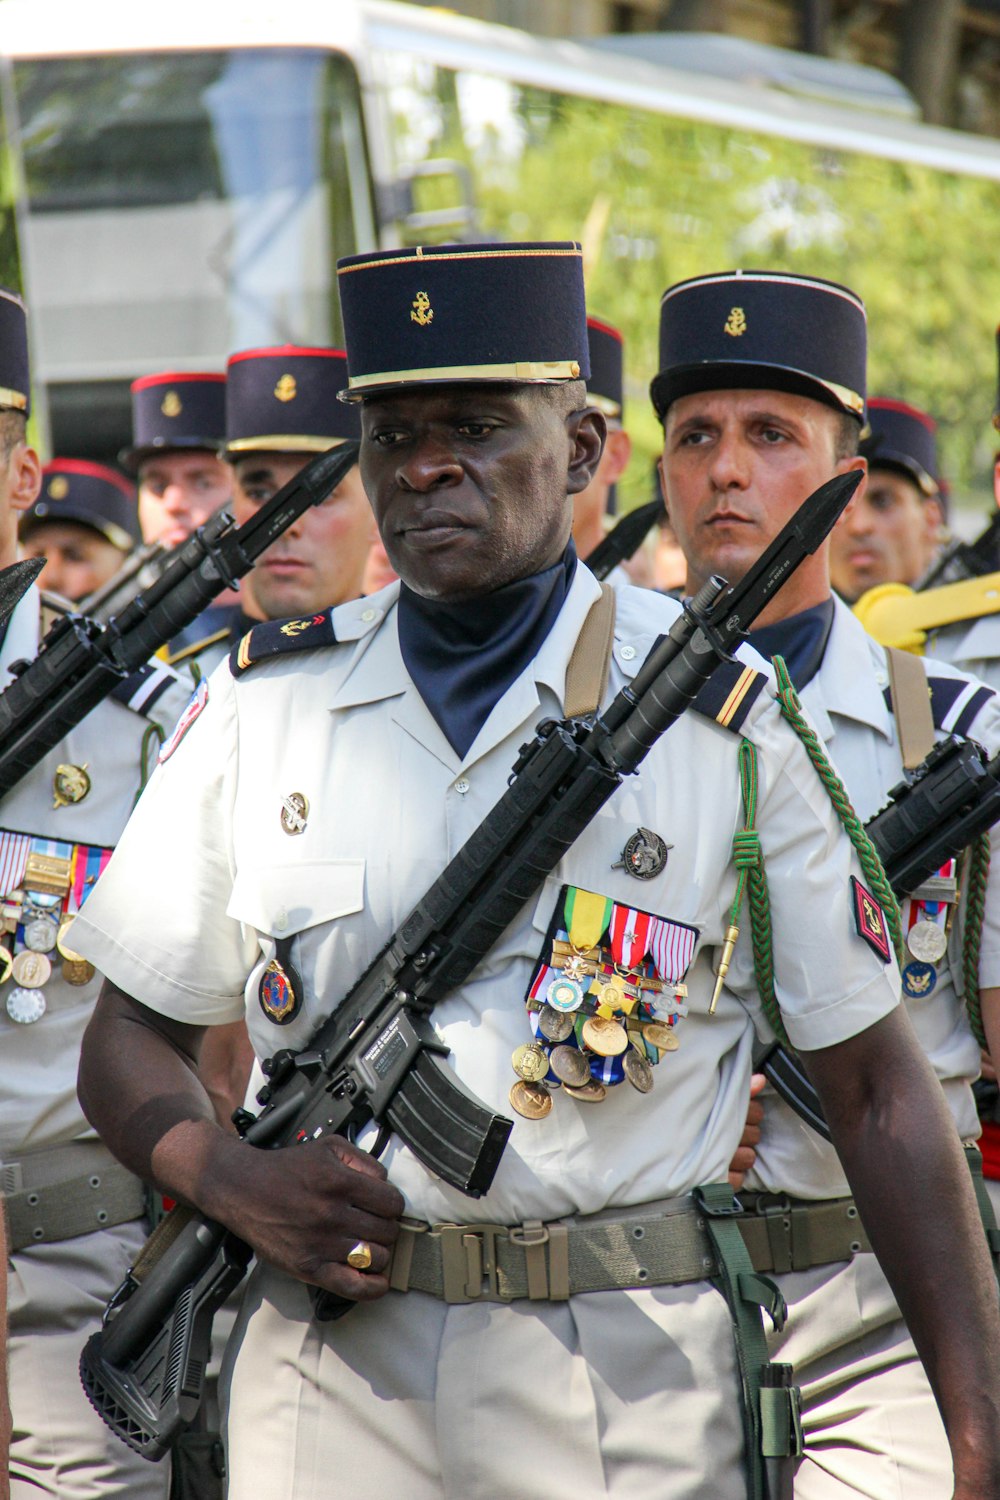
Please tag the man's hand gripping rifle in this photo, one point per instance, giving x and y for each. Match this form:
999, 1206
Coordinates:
81, 662
376, 1057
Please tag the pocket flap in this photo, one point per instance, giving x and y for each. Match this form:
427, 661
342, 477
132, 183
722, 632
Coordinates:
284, 899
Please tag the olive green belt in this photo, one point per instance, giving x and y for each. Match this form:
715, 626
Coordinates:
654, 1244
793, 1234
61, 1192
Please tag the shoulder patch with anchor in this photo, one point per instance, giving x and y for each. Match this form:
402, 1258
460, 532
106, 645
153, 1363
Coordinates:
278, 637
729, 694
955, 703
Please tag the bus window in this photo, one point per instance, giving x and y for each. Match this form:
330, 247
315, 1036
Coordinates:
180, 206
655, 198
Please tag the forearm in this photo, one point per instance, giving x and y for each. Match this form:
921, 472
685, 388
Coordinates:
139, 1087
902, 1156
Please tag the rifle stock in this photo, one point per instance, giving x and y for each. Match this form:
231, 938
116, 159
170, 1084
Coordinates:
376, 1057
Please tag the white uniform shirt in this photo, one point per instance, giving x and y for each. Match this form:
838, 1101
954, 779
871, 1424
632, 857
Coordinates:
972, 646
206, 880
38, 1103
846, 701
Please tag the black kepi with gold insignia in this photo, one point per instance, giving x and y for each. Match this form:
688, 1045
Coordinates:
903, 438
74, 489
461, 313
15, 381
175, 411
766, 330
284, 400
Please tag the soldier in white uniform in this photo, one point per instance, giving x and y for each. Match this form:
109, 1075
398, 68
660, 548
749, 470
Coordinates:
75, 1217
747, 420
324, 785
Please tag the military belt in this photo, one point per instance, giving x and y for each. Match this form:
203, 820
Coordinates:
793, 1234
653, 1244
62, 1192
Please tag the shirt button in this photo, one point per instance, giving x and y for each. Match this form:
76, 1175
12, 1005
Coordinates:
461, 786
627, 653
368, 614
281, 921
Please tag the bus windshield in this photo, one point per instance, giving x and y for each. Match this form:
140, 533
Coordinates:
181, 205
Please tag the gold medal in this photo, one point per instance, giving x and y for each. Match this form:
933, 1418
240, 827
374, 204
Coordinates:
554, 1025
606, 1038
62, 947
77, 971
659, 1034
31, 970
530, 1062
637, 1071
589, 1093
531, 1100
570, 1066
70, 784
6, 964
611, 995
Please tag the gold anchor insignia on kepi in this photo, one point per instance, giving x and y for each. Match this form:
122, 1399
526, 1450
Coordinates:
286, 388
70, 784
294, 812
171, 405
57, 487
421, 311
736, 323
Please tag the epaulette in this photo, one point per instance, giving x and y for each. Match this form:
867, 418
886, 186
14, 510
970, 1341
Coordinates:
144, 688
896, 615
955, 702
197, 647
729, 694
277, 637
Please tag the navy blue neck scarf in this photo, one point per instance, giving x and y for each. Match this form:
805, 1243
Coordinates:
801, 640
463, 657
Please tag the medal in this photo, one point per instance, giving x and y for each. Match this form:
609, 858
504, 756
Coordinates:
294, 812
277, 995
644, 855
564, 994
637, 1071
606, 1038
70, 784
661, 1036
31, 970
40, 935
530, 1063
919, 980
25, 1006
588, 1093
570, 1066
927, 941
531, 1100
554, 1025
6, 964
77, 971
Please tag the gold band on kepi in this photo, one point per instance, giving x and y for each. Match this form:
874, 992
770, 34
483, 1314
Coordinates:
283, 442
15, 400
15, 379
464, 313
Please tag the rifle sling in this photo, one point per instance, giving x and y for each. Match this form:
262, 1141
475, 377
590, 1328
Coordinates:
587, 672
911, 706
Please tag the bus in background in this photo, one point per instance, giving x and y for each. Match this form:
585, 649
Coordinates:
178, 182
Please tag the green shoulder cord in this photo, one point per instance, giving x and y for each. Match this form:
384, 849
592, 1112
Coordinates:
972, 937
152, 740
837, 792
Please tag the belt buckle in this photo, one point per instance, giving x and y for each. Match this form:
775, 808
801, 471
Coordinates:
469, 1262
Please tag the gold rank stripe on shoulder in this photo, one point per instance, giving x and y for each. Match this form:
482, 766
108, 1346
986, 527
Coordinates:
897, 616
279, 637
735, 699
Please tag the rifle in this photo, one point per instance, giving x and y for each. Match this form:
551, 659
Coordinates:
625, 539
80, 662
15, 581
376, 1056
143, 566
961, 560
946, 803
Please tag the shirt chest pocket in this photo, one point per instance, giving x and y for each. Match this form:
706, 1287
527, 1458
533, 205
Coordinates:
281, 901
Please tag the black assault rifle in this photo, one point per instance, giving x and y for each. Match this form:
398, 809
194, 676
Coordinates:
143, 566
961, 560
376, 1056
624, 539
946, 803
80, 662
